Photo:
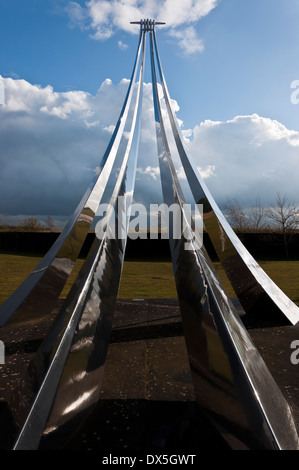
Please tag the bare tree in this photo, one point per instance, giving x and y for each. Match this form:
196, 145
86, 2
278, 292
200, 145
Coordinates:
6, 226
50, 224
236, 215
285, 216
257, 216
31, 225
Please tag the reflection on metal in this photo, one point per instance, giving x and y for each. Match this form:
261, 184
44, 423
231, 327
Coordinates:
62, 383
73, 380
258, 294
221, 354
51, 274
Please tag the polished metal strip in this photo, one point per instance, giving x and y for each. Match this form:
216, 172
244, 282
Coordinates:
258, 294
72, 383
50, 275
224, 361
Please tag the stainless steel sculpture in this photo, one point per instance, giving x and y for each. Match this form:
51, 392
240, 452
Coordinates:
61, 385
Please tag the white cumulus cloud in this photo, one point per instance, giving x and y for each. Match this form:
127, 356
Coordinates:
249, 156
188, 40
102, 17
52, 142
122, 45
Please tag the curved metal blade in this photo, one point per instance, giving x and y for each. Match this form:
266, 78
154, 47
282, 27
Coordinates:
51, 274
258, 294
72, 383
230, 378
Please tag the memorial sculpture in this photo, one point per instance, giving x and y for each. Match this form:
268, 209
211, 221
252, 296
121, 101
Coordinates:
61, 385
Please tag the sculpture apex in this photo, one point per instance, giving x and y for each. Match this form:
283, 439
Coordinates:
147, 24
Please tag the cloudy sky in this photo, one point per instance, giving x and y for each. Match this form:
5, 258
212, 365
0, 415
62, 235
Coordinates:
232, 71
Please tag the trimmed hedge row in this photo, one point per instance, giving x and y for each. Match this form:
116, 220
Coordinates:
260, 245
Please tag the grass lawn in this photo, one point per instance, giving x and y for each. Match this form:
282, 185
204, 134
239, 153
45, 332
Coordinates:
13, 270
143, 279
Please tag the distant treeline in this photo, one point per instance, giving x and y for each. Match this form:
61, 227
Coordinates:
264, 245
